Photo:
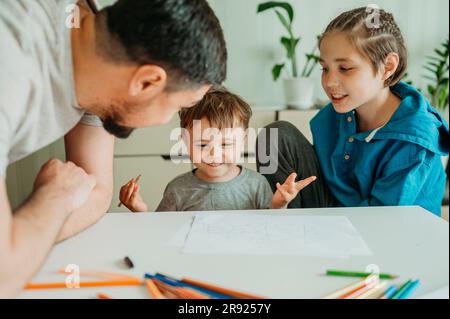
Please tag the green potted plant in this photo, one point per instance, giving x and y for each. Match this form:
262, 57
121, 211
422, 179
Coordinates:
438, 85
437, 75
298, 87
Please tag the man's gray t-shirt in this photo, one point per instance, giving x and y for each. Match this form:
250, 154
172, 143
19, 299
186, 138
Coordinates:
249, 190
37, 90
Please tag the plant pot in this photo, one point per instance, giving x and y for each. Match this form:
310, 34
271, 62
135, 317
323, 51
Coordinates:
299, 93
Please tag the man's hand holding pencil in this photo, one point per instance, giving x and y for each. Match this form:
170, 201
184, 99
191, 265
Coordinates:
130, 196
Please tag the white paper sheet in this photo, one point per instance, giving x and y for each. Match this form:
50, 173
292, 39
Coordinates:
180, 236
253, 234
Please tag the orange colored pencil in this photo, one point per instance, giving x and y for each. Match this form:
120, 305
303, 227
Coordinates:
225, 291
356, 292
153, 290
351, 289
103, 296
101, 274
168, 291
181, 292
85, 284
192, 293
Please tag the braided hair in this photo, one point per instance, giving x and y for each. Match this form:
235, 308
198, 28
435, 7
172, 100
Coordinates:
375, 34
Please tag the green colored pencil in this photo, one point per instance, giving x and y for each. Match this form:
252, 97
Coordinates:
333, 272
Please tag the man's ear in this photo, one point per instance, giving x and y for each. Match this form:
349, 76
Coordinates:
390, 65
147, 81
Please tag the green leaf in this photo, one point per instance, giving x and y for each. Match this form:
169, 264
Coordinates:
290, 45
443, 97
440, 53
275, 4
443, 82
430, 69
284, 22
431, 57
431, 90
313, 57
276, 71
428, 77
439, 70
432, 64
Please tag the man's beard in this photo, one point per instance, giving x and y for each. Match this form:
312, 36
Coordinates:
119, 131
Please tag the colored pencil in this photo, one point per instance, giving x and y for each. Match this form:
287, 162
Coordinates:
101, 274
226, 291
401, 290
177, 283
357, 292
137, 180
85, 284
209, 289
410, 289
389, 292
333, 272
374, 292
103, 296
180, 292
350, 289
154, 292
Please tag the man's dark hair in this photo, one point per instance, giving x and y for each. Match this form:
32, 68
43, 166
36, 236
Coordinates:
182, 36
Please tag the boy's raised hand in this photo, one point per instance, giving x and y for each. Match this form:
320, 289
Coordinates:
131, 198
288, 191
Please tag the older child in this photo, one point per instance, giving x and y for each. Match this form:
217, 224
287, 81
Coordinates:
379, 142
214, 131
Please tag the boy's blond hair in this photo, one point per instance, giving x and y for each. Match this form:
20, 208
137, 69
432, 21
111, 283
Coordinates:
220, 107
373, 36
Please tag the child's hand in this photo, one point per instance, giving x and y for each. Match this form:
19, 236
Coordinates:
130, 197
288, 191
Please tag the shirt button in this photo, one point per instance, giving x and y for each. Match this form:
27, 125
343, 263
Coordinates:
351, 140
349, 119
347, 157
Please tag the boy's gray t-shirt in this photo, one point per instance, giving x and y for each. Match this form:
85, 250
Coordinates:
37, 91
249, 190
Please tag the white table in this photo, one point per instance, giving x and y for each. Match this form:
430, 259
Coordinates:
407, 241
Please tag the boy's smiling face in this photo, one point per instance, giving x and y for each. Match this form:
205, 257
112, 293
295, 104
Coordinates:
348, 78
215, 152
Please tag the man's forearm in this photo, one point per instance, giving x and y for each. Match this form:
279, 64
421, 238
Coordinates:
34, 228
87, 215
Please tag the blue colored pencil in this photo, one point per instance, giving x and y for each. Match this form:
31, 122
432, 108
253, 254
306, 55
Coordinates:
389, 292
410, 289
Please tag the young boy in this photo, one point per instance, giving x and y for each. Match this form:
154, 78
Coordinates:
214, 132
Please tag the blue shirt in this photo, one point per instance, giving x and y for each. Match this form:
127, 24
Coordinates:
397, 164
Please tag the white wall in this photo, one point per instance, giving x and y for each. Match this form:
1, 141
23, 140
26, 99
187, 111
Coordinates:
253, 40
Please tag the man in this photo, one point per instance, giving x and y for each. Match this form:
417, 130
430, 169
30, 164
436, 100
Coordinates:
131, 65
